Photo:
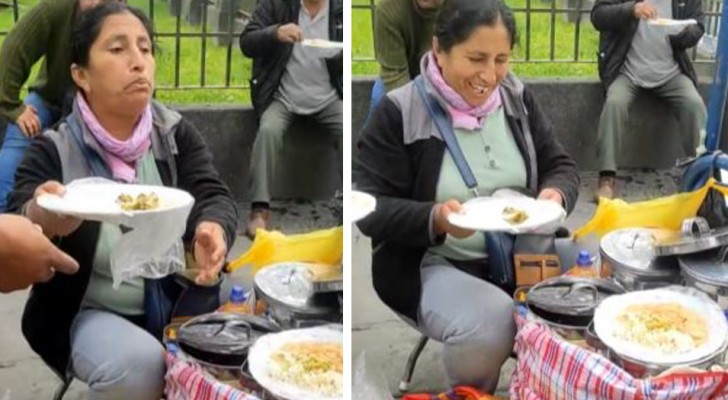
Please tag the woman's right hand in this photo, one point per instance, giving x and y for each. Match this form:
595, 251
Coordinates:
443, 226
52, 224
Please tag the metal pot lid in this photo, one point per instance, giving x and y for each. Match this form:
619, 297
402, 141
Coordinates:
708, 267
224, 333
571, 295
633, 249
289, 285
694, 237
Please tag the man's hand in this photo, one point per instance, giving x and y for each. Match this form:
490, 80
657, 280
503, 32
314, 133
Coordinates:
210, 250
645, 10
28, 121
442, 225
289, 33
52, 224
27, 256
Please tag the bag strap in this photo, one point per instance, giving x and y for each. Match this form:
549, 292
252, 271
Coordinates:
95, 163
448, 135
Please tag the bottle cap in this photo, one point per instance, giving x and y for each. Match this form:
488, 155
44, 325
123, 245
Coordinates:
584, 259
237, 294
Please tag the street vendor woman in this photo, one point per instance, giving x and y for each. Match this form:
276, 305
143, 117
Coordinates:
79, 325
419, 259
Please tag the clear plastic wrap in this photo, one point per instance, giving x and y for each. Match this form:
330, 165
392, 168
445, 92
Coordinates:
151, 243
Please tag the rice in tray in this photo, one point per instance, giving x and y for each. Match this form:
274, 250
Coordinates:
666, 328
314, 366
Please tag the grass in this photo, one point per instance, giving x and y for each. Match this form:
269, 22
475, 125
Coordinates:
190, 60
540, 63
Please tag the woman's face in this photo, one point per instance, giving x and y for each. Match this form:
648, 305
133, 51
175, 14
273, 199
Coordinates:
476, 66
119, 76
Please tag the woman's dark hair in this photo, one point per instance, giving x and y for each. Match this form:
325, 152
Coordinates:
88, 27
459, 18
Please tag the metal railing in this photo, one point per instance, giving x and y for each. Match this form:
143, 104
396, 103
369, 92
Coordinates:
576, 13
228, 38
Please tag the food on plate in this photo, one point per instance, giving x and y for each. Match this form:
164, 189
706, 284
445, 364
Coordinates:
514, 216
312, 366
668, 328
661, 21
142, 202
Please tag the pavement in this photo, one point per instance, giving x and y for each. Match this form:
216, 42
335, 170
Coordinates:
23, 376
382, 342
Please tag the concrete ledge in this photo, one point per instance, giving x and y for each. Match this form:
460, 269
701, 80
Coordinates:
311, 162
574, 107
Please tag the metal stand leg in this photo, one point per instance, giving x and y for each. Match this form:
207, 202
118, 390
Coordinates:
61, 391
411, 362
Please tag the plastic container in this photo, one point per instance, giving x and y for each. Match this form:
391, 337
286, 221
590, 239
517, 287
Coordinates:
584, 267
237, 302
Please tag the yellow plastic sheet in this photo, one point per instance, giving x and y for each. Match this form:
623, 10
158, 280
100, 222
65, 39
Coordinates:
321, 247
662, 213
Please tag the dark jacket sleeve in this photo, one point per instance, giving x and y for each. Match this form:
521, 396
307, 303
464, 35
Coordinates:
41, 163
197, 175
556, 169
259, 37
612, 15
385, 169
691, 34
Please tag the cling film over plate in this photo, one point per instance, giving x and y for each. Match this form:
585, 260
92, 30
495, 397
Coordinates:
662, 213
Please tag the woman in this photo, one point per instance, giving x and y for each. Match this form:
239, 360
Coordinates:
430, 272
77, 323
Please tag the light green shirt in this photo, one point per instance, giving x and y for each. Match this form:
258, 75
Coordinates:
128, 299
496, 162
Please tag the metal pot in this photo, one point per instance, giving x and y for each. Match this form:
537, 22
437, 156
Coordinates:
566, 304
222, 339
640, 369
291, 302
628, 257
708, 272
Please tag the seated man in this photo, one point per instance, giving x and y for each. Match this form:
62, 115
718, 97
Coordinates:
44, 31
403, 31
290, 81
636, 55
28, 256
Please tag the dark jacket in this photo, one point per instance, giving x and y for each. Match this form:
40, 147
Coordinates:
270, 57
52, 306
615, 21
399, 160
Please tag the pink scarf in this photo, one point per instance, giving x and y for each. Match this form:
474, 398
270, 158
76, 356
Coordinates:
464, 116
121, 156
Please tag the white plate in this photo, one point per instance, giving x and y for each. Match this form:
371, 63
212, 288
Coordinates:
95, 200
486, 214
259, 356
322, 44
606, 324
666, 22
362, 204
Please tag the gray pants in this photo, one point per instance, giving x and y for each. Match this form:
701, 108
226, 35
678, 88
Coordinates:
274, 123
472, 318
115, 358
680, 94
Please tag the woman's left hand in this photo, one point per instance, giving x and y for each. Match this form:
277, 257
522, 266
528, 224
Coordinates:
210, 250
551, 194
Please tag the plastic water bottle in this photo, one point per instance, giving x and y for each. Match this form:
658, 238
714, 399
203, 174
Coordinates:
237, 302
584, 266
